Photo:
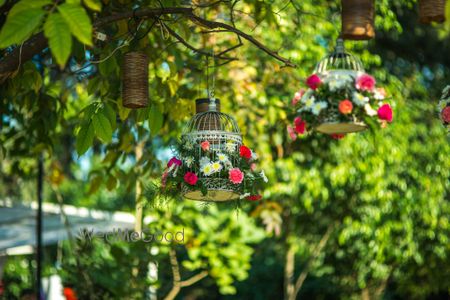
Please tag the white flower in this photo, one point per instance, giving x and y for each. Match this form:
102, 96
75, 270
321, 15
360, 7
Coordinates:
230, 147
244, 196
254, 156
216, 166
369, 110
207, 169
189, 161
318, 106
359, 99
204, 161
306, 95
309, 103
222, 157
377, 95
263, 175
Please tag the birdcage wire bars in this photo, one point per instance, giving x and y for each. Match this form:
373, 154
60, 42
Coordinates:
339, 63
223, 134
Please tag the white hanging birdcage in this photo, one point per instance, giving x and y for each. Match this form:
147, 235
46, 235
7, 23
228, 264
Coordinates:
339, 64
223, 136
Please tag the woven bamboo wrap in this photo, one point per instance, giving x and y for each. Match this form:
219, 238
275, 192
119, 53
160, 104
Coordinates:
202, 105
431, 11
358, 19
135, 80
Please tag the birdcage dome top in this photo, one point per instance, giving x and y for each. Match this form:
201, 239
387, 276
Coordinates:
339, 61
210, 123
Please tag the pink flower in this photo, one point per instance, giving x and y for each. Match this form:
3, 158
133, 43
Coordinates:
385, 113
365, 82
297, 96
445, 114
253, 167
236, 176
291, 132
174, 161
345, 107
300, 125
254, 197
313, 81
190, 178
205, 145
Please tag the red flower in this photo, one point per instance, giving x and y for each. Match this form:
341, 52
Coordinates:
254, 197
313, 81
385, 113
190, 178
205, 145
445, 114
69, 293
300, 125
337, 136
365, 82
245, 152
345, 107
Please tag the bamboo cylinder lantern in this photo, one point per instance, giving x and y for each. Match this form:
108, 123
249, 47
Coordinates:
431, 11
135, 80
358, 19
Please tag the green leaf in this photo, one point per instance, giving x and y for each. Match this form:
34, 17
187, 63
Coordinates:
85, 138
123, 111
25, 5
20, 26
93, 4
110, 113
102, 127
78, 21
111, 183
2, 2
155, 120
59, 39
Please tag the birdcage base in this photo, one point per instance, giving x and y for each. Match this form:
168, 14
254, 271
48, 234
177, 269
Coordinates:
212, 196
340, 128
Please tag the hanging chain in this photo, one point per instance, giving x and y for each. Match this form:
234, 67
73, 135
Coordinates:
212, 92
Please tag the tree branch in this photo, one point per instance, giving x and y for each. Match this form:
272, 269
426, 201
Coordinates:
177, 283
317, 250
34, 45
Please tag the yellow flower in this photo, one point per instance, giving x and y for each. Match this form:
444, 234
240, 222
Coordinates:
216, 166
207, 169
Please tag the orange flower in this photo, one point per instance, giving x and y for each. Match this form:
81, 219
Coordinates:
345, 107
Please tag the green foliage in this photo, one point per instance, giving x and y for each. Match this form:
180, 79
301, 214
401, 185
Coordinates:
23, 19
78, 21
59, 39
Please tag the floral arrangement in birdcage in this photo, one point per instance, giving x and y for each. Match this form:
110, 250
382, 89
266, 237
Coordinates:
212, 164
444, 107
341, 98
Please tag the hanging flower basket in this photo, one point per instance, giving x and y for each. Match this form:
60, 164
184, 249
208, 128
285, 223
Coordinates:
341, 98
431, 11
135, 80
358, 19
212, 164
444, 107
